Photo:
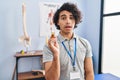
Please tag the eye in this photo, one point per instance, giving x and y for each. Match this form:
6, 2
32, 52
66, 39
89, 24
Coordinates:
71, 17
63, 18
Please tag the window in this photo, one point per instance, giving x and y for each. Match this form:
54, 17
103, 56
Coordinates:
111, 6
110, 37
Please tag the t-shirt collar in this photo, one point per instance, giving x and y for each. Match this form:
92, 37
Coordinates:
61, 38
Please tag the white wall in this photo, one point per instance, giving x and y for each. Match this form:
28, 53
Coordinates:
11, 30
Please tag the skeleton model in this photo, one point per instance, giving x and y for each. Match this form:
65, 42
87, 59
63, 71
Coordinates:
50, 22
25, 39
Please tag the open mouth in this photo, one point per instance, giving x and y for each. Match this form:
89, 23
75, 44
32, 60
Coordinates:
68, 27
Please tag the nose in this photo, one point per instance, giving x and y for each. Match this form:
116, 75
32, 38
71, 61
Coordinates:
68, 21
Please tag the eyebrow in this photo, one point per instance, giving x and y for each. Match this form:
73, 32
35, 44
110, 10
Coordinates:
63, 15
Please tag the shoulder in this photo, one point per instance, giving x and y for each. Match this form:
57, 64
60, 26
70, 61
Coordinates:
46, 50
84, 41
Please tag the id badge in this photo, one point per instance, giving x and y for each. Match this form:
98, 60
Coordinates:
74, 75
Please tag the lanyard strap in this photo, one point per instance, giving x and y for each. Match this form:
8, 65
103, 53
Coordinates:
69, 53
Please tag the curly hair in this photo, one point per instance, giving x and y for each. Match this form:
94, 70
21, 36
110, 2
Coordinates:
70, 7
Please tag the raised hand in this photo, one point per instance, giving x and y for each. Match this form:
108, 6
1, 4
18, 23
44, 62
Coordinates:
53, 44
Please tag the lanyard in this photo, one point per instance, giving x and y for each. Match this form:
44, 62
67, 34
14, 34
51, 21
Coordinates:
69, 53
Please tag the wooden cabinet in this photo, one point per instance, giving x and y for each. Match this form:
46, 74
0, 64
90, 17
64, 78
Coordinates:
31, 74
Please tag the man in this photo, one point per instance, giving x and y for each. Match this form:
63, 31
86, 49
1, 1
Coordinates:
67, 57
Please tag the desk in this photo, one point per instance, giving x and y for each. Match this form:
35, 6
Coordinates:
106, 76
27, 75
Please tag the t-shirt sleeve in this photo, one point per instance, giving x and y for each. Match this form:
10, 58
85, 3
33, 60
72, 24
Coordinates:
88, 47
47, 54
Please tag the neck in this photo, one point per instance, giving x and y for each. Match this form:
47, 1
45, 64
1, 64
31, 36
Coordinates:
67, 35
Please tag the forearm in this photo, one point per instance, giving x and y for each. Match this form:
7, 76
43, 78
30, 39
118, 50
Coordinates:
89, 73
89, 76
54, 72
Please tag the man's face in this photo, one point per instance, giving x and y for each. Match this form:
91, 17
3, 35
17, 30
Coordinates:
66, 22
